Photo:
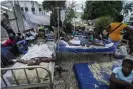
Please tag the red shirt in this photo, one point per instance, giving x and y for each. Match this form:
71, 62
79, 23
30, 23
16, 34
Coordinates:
9, 42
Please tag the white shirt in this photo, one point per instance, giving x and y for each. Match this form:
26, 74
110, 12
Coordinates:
120, 75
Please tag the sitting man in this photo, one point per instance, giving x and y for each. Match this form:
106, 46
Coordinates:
122, 77
10, 44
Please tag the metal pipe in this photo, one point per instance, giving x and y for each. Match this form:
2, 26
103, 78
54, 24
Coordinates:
14, 14
27, 77
15, 77
58, 27
16, 19
4, 80
37, 75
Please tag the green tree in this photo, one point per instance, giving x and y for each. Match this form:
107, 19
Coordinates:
127, 7
102, 23
51, 6
96, 9
70, 12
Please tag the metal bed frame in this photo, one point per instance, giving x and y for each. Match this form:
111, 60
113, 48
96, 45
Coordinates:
88, 54
48, 82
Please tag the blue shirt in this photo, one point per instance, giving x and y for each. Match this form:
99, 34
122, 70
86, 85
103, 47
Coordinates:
119, 75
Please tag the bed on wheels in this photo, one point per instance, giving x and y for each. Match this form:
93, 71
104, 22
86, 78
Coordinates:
65, 49
21, 76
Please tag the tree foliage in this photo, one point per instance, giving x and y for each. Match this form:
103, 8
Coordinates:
51, 6
102, 23
96, 9
127, 7
70, 13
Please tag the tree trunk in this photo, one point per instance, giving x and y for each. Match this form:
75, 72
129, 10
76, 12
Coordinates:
54, 18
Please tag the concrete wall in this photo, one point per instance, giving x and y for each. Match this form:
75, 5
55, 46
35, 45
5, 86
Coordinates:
30, 4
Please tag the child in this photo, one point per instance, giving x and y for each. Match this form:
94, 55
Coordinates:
122, 77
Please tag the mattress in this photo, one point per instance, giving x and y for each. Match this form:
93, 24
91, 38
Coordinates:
82, 49
94, 75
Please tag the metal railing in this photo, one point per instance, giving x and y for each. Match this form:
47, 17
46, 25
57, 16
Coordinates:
29, 84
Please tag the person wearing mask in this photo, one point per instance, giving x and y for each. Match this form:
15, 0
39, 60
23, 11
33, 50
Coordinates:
114, 30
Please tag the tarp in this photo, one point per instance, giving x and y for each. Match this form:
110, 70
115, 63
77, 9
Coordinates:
32, 20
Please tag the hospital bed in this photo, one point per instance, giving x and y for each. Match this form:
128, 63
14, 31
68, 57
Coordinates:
21, 76
48, 80
65, 49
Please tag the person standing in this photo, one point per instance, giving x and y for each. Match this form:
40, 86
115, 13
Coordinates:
115, 29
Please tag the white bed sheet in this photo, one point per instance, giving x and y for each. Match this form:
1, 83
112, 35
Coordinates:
38, 51
76, 42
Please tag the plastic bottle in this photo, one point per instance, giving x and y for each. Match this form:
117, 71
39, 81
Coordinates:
91, 37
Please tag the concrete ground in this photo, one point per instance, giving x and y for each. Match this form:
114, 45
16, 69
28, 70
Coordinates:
68, 80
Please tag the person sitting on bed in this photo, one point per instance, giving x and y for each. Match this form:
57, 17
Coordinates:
10, 44
122, 77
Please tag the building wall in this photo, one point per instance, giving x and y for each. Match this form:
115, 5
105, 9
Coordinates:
31, 4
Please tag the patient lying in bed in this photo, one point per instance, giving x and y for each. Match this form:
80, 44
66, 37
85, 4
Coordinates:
36, 61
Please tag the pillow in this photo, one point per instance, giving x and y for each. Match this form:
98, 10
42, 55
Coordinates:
32, 76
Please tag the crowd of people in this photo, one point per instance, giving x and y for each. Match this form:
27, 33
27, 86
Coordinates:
121, 78
114, 32
20, 39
